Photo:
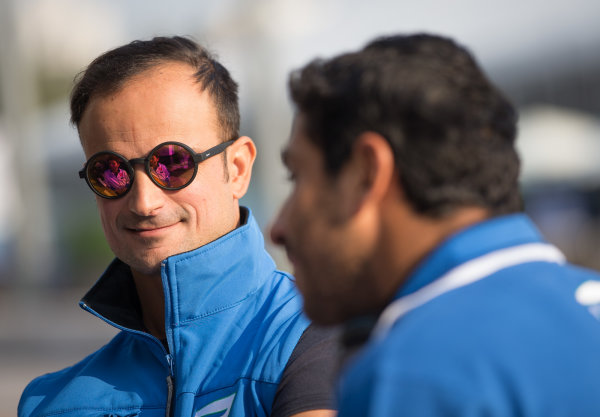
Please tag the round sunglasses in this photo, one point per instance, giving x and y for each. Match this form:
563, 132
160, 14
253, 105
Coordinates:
170, 165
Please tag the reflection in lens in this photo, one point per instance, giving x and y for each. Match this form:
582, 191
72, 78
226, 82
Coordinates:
159, 171
171, 166
109, 175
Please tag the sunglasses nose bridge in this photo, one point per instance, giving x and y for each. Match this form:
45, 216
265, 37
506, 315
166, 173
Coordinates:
145, 167
137, 161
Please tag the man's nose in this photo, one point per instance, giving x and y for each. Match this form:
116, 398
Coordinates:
145, 198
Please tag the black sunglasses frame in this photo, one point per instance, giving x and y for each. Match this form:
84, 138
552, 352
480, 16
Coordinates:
129, 163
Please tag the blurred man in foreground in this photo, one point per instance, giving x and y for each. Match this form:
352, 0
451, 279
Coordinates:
405, 208
208, 325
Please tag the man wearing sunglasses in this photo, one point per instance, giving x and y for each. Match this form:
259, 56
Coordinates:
208, 326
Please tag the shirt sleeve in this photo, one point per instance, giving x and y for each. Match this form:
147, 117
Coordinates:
308, 379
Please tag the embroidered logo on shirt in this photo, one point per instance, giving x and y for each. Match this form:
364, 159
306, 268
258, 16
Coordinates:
588, 294
222, 406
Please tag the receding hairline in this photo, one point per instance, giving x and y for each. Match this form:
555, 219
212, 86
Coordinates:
154, 67
116, 68
149, 72
187, 74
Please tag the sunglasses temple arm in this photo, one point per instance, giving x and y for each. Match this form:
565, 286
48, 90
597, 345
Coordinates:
215, 150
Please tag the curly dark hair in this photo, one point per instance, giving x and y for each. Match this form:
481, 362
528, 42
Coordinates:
107, 74
452, 132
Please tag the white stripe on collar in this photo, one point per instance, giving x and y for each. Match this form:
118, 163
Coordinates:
465, 274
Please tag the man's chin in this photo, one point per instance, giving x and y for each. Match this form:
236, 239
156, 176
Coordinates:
144, 266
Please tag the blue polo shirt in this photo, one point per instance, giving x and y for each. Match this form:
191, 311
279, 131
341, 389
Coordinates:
492, 323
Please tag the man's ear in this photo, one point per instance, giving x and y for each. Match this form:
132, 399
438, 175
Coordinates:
240, 158
367, 178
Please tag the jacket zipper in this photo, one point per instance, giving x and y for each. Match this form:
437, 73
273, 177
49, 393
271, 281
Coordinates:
170, 409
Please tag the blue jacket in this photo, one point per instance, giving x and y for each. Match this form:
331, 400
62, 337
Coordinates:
232, 322
492, 323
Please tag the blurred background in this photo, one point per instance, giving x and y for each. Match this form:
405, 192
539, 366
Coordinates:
544, 55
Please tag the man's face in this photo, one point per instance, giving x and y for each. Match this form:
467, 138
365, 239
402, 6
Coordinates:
113, 165
329, 249
149, 224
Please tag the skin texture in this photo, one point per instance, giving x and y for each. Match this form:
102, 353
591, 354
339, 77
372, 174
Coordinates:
315, 224
353, 238
149, 224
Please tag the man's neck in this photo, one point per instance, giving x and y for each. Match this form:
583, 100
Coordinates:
152, 299
410, 237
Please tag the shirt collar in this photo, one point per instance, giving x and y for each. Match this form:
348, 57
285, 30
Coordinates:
196, 283
471, 242
218, 275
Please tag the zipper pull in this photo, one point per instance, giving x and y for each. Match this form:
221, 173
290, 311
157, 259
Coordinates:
170, 362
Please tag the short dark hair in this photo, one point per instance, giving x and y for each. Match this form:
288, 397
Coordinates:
111, 70
452, 132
